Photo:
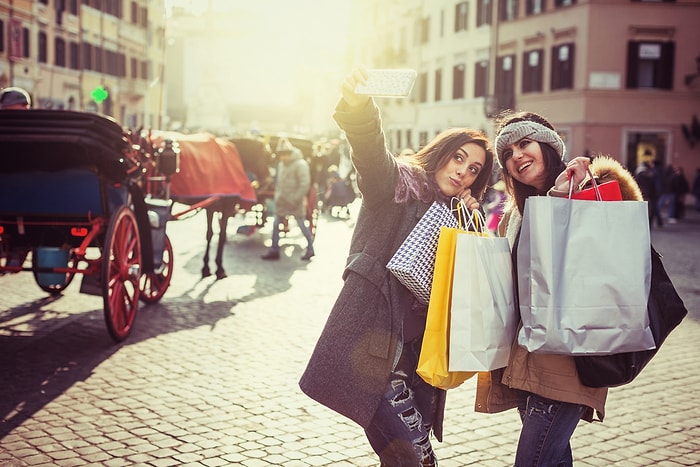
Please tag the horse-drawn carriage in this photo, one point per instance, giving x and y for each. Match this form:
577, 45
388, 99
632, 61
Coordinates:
74, 200
79, 195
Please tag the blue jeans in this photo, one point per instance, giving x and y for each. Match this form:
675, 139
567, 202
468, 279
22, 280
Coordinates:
547, 429
400, 430
302, 226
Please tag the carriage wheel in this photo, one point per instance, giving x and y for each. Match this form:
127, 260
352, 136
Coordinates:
312, 210
59, 286
121, 271
154, 284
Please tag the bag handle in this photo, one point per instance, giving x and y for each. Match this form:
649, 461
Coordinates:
598, 196
460, 209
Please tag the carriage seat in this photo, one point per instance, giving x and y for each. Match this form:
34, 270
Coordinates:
71, 192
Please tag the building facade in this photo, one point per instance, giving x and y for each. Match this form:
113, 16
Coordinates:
87, 55
620, 77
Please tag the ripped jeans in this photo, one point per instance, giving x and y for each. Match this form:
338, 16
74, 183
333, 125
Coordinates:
547, 429
400, 430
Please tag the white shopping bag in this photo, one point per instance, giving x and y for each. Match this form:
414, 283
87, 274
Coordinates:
584, 272
483, 315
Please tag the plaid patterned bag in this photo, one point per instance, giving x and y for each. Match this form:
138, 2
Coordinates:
414, 261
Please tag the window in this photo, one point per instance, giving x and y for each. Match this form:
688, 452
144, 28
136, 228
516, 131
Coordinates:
461, 16
458, 82
2, 36
425, 30
43, 48
60, 52
650, 65
134, 13
534, 7
87, 56
481, 78
99, 62
562, 67
438, 85
507, 10
532, 71
134, 68
25, 42
145, 65
423, 139
563, 3
505, 82
423, 87
74, 56
73, 7
483, 12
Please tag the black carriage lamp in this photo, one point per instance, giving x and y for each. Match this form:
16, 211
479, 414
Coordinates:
169, 158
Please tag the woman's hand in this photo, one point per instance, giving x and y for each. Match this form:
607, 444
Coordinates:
575, 172
357, 76
469, 201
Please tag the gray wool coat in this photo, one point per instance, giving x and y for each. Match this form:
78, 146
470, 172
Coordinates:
362, 339
293, 183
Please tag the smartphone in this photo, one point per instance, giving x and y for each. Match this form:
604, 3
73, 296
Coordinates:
396, 82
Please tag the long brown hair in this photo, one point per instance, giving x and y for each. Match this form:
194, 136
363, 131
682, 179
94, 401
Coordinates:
518, 191
417, 180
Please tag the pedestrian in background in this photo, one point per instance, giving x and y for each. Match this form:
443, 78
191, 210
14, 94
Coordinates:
293, 180
14, 98
667, 197
680, 188
696, 189
645, 177
364, 363
545, 388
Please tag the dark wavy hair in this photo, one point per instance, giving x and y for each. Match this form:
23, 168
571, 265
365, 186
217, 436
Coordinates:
553, 164
417, 180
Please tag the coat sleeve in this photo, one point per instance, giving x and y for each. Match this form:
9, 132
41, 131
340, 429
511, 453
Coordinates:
376, 167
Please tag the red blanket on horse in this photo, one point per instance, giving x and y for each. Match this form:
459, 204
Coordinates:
209, 166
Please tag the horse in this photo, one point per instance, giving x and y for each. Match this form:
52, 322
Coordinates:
220, 175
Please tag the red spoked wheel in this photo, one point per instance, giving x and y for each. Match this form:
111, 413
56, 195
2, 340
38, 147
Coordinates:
154, 284
121, 273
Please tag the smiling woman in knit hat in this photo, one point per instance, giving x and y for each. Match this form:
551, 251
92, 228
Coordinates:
531, 154
14, 98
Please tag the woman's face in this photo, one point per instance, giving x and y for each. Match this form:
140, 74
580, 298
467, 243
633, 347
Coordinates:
525, 163
461, 169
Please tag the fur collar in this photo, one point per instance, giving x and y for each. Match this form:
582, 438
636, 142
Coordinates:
605, 168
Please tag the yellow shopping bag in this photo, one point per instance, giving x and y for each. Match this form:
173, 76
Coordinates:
433, 359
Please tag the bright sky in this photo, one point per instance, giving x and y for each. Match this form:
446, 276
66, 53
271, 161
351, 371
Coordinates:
297, 35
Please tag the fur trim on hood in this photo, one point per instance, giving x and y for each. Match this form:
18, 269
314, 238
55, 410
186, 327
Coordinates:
605, 168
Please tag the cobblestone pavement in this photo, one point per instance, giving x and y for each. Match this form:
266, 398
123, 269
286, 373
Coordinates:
209, 375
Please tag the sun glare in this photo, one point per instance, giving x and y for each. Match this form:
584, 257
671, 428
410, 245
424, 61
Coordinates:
280, 42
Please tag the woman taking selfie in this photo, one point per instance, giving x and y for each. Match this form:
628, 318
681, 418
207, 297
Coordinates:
364, 363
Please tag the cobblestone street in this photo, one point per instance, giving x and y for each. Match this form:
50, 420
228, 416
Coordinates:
209, 375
